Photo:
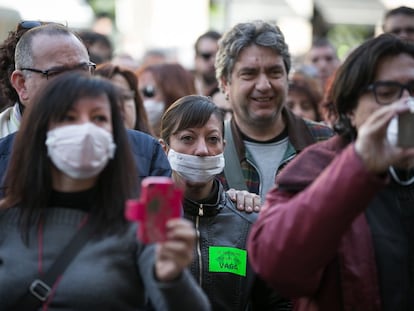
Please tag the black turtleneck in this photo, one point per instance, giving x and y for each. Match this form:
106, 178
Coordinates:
82, 200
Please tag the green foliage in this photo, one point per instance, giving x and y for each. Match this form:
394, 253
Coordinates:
103, 7
346, 37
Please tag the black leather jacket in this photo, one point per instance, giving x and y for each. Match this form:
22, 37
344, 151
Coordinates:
220, 255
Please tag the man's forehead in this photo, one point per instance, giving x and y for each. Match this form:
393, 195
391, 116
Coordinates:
321, 50
56, 39
250, 60
62, 50
398, 21
208, 42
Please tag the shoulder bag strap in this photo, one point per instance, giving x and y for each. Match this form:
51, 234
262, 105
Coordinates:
40, 289
232, 169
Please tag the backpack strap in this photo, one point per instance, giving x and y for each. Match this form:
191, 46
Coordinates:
40, 289
232, 170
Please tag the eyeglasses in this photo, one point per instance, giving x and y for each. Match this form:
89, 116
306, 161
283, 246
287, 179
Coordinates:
148, 91
205, 55
386, 92
88, 67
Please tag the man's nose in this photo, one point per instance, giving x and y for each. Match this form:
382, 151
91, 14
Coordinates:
262, 83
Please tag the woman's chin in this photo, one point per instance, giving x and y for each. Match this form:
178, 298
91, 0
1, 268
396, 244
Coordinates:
195, 184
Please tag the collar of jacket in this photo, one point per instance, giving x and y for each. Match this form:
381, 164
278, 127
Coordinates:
298, 133
310, 164
208, 209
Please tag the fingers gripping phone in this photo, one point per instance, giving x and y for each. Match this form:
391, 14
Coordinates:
160, 200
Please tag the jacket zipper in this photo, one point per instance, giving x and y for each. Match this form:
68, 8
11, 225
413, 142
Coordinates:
198, 248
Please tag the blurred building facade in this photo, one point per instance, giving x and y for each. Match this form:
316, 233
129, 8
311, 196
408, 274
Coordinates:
174, 25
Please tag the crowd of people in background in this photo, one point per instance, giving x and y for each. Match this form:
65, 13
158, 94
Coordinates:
297, 192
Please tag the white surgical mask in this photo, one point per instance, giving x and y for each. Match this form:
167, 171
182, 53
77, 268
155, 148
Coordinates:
80, 151
154, 110
392, 131
195, 168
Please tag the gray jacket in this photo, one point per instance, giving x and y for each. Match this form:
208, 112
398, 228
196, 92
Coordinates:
111, 273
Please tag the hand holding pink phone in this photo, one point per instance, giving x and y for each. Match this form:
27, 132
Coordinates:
160, 201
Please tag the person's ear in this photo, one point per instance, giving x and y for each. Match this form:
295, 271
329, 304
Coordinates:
18, 81
163, 145
226, 87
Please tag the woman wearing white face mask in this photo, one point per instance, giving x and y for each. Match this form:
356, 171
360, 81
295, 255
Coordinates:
160, 85
192, 136
72, 169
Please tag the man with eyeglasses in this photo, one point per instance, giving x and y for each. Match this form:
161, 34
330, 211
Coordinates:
400, 22
37, 59
337, 231
43, 52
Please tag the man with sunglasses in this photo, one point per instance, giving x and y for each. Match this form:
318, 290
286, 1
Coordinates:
205, 49
400, 22
42, 52
206, 83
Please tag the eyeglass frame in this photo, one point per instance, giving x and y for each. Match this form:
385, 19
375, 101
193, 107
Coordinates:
58, 70
373, 88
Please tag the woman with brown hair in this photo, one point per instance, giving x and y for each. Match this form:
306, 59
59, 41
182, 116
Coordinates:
161, 85
134, 113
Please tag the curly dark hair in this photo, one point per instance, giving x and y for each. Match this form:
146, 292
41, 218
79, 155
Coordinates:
7, 48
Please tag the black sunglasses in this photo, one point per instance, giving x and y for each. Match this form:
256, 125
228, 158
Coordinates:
205, 55
148, 91
28, 24
33, 24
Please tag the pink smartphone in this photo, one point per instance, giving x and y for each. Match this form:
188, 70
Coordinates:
160, 201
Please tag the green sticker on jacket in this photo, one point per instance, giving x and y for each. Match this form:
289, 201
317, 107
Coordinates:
227, 259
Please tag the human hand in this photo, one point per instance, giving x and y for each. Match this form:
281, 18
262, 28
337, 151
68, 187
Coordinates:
245, 201
176, 253
372, 145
